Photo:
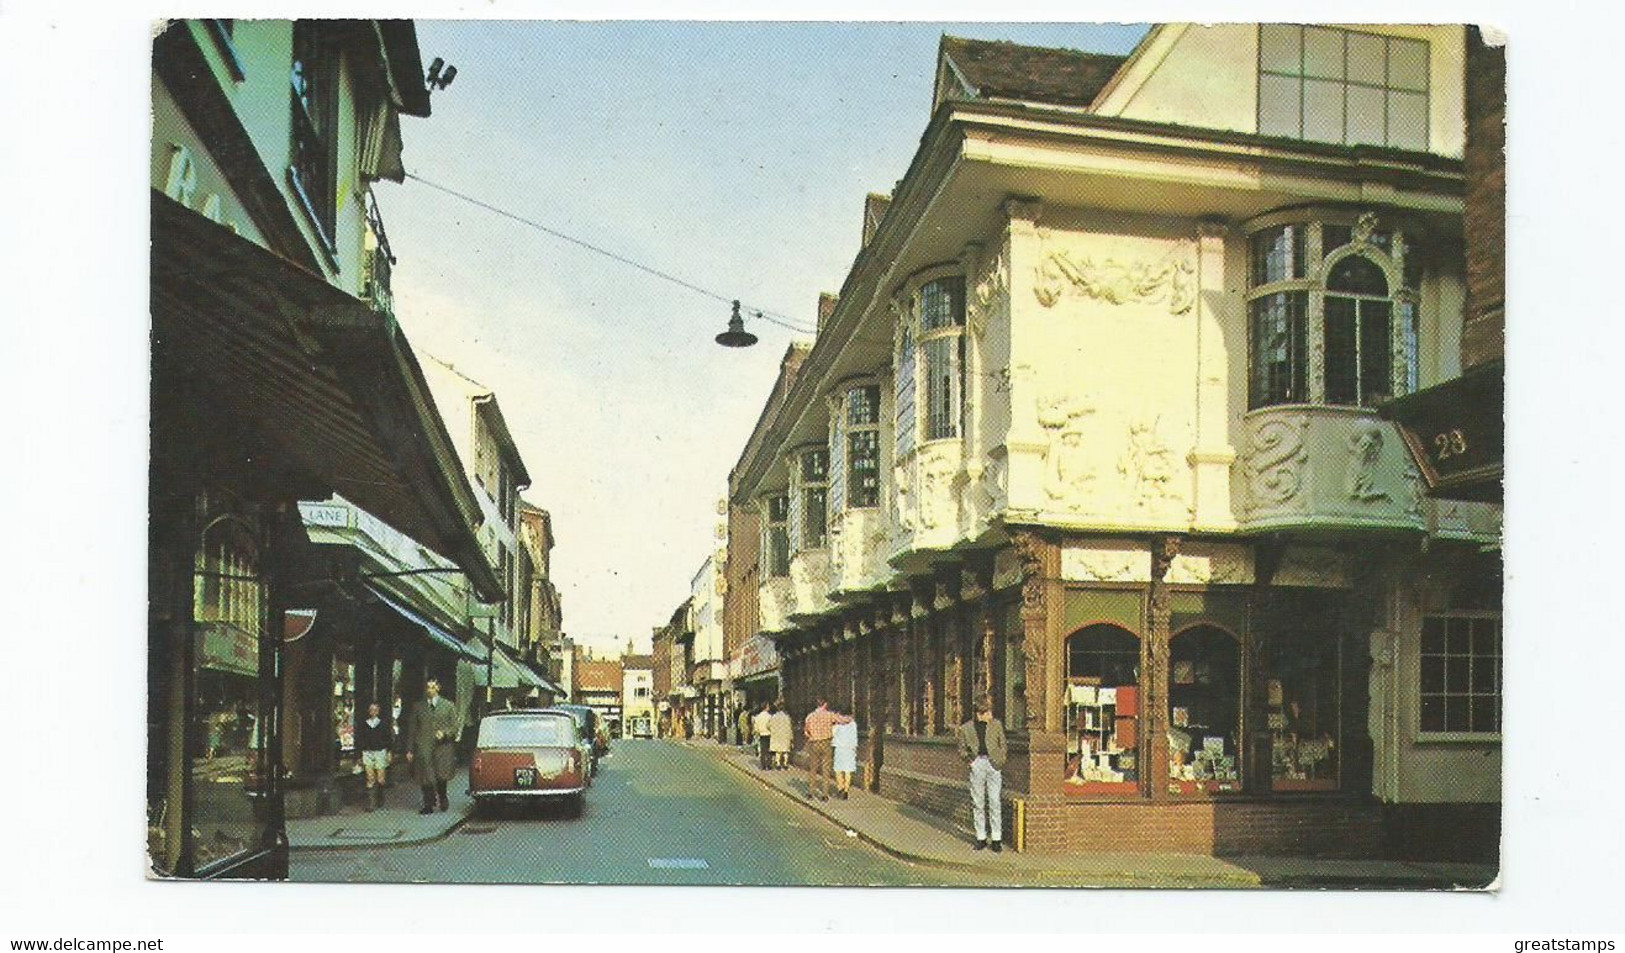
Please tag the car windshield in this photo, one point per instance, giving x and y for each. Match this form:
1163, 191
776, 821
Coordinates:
526, 732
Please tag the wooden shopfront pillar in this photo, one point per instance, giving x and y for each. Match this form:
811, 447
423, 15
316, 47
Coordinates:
1154, 674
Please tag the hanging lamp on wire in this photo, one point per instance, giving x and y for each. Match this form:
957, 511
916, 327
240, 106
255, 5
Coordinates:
736, 335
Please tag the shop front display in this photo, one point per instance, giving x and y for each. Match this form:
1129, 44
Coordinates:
1301, 710
1102, 711
1204, 711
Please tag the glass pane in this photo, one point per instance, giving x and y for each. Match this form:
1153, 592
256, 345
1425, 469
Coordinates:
1342, 381
1432, 713
778, 509
815, 466
1411, 348
1455, 674
941, 367
1456, 713
1376, 351
1408, 120
1280, 48
1483, 677
1458, 638
1278, 106
1486, 638
1432, 674
863, 456
226, 769
1278, 345
1322, 110
1408, 64
1323, 52
1358, 275
816, 513
1367, 116
1367, 55
942, 303
863, 405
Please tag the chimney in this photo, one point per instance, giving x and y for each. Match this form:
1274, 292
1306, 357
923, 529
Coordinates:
826, 308
874, 209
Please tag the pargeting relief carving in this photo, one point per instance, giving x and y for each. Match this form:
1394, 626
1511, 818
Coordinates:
1068, 476
1115, 282
985, 294
938, 505
1149, 466
1218, 567
1104, 565
1275, 459
1365, 453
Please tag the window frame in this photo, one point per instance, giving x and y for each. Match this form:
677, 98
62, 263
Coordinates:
1423, 735
869, 430
1388, 89
773, 529
810, 484
313, 133
1393, 246
931, 426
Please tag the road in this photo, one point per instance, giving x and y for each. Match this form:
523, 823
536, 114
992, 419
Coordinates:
658, 813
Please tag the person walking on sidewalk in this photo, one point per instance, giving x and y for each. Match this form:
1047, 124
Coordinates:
981, 743
782, 733
844, 741
820, 728
744, 727
373, 741
431, 746
762, 724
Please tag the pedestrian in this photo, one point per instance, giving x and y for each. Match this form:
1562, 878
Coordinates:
782, 731
431, 739
373, 741
762, 724
844, 741
744, 727
820, 727
981, 744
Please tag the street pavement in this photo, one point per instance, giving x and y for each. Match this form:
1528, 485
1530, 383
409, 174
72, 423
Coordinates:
699, 813
658, 813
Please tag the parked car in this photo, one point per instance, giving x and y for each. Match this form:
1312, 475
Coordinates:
587, 718
531, 756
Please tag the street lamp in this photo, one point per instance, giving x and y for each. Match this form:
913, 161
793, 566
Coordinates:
736, 335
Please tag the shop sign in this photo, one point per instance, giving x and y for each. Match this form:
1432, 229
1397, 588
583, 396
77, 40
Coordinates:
326, 514
1456, 433
757, 654
228, 649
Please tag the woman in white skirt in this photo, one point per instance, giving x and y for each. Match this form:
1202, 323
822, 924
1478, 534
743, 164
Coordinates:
844, 739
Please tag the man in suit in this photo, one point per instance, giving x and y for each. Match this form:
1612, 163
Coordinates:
981, 744
431, 746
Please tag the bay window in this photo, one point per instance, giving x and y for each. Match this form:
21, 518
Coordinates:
777, 544
1332, 313
863, 446
942, 355
814, 497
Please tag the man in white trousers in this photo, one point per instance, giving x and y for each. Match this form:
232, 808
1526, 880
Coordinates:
981, 744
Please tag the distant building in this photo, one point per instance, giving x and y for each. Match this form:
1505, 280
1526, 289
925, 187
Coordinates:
637, 696
709, 671
599, 685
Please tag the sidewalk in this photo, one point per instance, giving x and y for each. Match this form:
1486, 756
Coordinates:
919, 836
396, 823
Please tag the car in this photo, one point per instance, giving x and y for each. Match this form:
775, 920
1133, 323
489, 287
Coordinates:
587, 718
531, 756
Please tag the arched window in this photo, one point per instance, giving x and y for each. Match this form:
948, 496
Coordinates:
1351, 288
1102, 709
1204, 710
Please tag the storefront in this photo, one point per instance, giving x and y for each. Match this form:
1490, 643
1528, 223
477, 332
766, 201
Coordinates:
245, 422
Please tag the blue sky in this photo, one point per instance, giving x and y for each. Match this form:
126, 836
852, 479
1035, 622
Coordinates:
735, 155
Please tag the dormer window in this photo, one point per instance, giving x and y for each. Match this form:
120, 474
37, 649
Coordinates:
1349, 288
1329, 85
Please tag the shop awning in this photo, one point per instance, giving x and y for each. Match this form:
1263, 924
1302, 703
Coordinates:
332, 382
508, 671
436, 634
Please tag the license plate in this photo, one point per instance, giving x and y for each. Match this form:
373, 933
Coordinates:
524, 777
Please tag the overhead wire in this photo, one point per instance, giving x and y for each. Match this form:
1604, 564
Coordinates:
746, 310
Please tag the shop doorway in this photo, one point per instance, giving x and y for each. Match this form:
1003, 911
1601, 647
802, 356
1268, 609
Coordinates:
1204, 711
1102, 710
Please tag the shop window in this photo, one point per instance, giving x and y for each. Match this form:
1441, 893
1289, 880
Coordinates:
863, 446
315, 98
228, 750
1351, 287
1461, 673
1204, 711
1329, 85
778, 535
344, 716
1302, 710
1102, 710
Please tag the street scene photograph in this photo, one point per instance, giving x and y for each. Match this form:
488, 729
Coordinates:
834, 454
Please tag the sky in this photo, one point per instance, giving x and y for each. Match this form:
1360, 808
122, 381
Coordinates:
735, 156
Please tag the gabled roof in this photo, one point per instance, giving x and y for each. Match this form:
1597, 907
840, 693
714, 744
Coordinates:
1000, 69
